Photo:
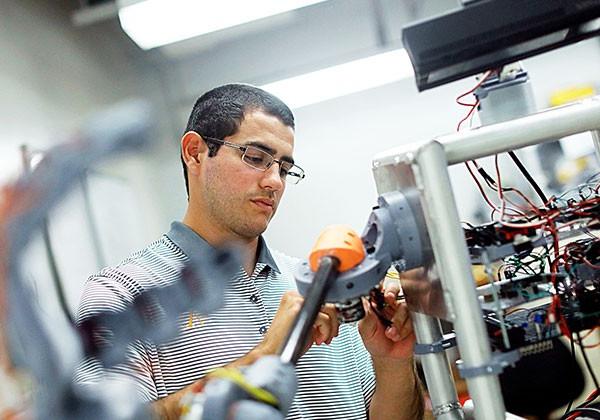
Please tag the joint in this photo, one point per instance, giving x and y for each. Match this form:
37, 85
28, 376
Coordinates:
447, 341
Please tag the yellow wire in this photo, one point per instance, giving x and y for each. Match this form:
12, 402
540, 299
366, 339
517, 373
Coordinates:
236, 377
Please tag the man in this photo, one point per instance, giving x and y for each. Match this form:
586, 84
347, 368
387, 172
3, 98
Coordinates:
237, 159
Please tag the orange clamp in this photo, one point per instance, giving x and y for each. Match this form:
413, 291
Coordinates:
338, 241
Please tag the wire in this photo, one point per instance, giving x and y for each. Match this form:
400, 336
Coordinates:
529, 178
500, 191
582, 410
492, 184
485, 197
587, 361
54, 273
488, 179
473, 89
473, 105
235, 376
469, 114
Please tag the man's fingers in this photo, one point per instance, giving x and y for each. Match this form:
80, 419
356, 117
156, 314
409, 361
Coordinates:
332, 313
402, 326
326, 328
369, 324
391, 289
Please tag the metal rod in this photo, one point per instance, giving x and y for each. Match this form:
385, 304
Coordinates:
91, 222
47, 241
515, 134
453, 262
596, 139
440, 383
296, 340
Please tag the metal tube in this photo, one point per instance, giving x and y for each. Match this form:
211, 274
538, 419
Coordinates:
596, 138
291, 349
47, 241
440, 383
452, 259
515, 134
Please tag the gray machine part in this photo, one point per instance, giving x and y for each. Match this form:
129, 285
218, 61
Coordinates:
222, 398
506, 96
393, 235
253, 410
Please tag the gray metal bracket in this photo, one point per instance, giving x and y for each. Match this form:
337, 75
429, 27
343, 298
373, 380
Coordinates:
448, 341
496, 366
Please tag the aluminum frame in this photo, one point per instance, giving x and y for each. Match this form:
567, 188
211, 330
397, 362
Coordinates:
424, 167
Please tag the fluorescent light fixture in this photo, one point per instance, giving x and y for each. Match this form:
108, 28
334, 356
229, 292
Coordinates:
343, 79
152, 23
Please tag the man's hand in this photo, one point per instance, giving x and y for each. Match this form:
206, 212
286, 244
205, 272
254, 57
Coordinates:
397, 391
397, 340
325, 328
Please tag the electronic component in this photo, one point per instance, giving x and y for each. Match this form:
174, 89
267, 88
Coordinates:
499, 241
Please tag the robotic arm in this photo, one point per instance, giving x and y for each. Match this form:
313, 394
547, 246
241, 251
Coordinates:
392, 237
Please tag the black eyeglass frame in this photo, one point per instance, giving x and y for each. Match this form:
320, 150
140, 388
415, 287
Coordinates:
294, 175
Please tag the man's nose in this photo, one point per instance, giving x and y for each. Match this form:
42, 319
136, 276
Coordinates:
272, 178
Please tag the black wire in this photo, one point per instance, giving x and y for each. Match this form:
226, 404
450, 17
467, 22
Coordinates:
488, 179
574, 361
528, 176
587, 362
55, 274
584, 410
491, 182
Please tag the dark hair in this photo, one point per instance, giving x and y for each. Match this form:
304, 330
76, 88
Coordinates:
219, 113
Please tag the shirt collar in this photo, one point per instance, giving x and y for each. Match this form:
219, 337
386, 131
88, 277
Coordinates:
191, 243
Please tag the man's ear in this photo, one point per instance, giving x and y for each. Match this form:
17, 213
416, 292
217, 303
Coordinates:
193, 149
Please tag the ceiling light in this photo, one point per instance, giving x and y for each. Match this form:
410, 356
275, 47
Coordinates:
152, 23
343, 79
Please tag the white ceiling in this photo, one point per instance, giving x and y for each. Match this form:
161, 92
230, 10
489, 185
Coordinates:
273, 48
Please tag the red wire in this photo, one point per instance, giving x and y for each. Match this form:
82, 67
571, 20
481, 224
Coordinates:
473, 107
485, 197
483, 79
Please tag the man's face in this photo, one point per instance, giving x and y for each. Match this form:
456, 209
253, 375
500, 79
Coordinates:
239, 199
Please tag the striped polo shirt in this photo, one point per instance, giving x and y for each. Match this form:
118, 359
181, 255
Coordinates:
335, 381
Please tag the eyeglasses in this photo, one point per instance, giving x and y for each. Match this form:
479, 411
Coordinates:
261, 160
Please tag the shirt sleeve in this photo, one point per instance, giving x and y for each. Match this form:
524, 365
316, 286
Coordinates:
108, 292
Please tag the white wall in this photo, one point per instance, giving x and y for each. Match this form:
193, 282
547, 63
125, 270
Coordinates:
52, 77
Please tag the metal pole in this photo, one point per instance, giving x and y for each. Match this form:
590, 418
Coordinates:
452, 259
440, 383
47, 241
91, 222
515, 134
291, 349
596, 138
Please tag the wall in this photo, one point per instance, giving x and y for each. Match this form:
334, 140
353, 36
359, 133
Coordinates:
52, 77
